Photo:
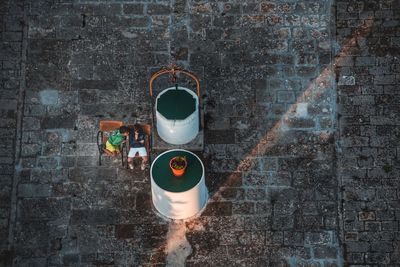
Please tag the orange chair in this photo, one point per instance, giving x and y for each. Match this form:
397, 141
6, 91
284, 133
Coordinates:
146, 128
106, 128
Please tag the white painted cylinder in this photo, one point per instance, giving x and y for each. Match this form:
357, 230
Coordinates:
178, 132
179, 205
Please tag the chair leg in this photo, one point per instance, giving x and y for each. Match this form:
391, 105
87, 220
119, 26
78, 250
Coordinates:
99, 139
122, 157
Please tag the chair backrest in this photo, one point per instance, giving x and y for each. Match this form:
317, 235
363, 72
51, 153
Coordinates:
146, 128
108, 126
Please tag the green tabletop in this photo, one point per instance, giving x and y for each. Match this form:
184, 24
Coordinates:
163, 177
176, 104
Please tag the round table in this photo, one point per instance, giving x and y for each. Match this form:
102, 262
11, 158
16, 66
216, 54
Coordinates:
178, 197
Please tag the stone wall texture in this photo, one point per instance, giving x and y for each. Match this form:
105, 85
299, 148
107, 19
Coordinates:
368, 74
301, 146
11, 52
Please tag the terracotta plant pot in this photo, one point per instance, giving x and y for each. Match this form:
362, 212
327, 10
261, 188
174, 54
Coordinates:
178, 165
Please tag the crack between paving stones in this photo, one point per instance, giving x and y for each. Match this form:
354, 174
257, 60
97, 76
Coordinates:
337, 150
18, 131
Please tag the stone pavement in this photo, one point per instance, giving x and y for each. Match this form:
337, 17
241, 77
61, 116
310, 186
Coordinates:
368, 73
301, 132
12, 77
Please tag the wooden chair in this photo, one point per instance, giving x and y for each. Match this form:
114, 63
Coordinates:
146, 128
106, 128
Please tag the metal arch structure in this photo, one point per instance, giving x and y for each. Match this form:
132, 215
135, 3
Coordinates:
173, 70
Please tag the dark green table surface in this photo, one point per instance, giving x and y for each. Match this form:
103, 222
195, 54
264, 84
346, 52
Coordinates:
163, 177
176, 104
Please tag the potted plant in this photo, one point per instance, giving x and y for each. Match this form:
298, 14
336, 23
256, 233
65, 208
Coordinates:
178, 165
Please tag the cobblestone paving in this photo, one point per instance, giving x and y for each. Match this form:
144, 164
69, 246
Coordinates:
11, 18
293, 180
368, 87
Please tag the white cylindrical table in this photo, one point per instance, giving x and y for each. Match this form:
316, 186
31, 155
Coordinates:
178, 197
177, 115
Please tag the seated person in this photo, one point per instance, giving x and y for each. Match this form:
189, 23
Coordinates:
115, 140
137, 146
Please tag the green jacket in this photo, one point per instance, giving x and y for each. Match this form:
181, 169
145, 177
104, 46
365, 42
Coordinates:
116, 138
